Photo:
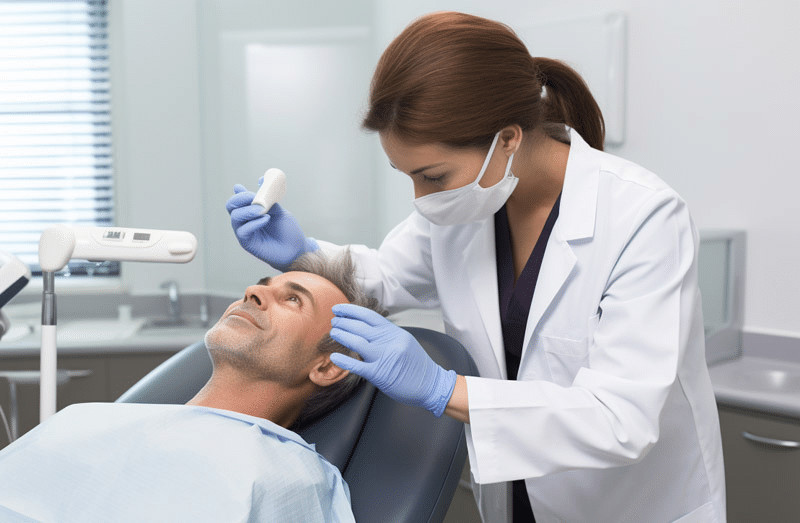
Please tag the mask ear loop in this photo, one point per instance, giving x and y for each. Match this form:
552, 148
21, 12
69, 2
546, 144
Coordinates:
508, 173
486, 161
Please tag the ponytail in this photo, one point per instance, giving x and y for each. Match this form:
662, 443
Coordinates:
569, 101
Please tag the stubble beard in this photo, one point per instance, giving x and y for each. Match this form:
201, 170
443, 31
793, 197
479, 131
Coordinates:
243, 354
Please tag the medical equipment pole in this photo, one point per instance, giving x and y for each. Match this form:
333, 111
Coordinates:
61, 243
48, 365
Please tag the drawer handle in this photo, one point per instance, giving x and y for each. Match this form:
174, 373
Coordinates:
784, 444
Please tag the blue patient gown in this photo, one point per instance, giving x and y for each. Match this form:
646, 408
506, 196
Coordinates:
135, 462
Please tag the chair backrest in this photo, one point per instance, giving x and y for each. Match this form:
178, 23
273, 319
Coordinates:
401, 462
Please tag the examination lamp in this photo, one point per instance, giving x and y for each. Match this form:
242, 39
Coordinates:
61, 243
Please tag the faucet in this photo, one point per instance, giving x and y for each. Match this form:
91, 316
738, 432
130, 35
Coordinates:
174, 299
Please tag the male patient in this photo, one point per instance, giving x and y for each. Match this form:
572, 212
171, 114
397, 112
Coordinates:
228, 454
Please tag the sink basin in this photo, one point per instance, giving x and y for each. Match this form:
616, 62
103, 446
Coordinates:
162, 323
759, 375
104, 331
94, 330
172, 326
771, 379
764, 384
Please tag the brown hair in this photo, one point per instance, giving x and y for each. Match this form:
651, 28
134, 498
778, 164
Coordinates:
457, 79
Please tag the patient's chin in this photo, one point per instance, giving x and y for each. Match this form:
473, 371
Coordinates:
217, 339
220, 336
221, 332
213, 334
228, 347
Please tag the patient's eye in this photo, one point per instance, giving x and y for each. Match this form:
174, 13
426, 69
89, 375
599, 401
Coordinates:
294, 298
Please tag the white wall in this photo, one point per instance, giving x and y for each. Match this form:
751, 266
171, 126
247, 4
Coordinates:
285, 87
711, 107
156, 130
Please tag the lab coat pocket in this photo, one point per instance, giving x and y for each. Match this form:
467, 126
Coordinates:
566, 356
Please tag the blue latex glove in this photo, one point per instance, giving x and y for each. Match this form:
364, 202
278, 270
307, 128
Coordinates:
393, 360
275, 237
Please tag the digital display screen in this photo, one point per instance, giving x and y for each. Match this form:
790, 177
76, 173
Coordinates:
141, 236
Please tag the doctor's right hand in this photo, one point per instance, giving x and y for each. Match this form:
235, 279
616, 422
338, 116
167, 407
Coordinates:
275, 237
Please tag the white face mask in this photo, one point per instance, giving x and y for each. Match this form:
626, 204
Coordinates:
471, 202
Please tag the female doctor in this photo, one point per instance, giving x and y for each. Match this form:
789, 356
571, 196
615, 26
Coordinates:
568, 274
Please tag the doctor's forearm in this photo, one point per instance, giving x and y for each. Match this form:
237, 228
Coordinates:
458, 406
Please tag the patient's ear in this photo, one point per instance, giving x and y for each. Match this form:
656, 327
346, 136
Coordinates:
325, 373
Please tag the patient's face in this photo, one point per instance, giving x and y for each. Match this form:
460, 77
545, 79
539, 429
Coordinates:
273, 332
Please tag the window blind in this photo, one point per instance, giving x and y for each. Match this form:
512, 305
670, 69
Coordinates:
55, 124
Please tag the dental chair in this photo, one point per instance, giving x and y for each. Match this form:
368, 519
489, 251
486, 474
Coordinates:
402, 464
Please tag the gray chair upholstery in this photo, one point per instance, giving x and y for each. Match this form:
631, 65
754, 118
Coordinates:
402, 464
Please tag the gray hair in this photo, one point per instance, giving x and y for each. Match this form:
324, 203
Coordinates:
340, 271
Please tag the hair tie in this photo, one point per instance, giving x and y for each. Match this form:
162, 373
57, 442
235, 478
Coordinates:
537, 65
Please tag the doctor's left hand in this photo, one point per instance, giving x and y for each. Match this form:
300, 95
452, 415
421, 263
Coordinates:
393, 360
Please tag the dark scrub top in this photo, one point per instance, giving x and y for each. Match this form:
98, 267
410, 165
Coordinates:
515, 302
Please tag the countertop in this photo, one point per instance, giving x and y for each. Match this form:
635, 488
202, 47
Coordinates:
99, 336
758, 383
766, 377
110, 324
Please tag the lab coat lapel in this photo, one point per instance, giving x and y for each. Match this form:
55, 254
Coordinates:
482, 273
576, 221
557, 265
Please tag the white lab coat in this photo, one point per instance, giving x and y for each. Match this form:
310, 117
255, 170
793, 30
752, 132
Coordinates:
613, 416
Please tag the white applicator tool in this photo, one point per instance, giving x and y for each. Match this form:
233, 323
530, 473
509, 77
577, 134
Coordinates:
272, 189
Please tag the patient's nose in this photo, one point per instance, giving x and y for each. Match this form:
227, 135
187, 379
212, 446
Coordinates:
260, 295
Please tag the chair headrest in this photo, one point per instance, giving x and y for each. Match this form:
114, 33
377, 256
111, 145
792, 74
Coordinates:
336, 434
